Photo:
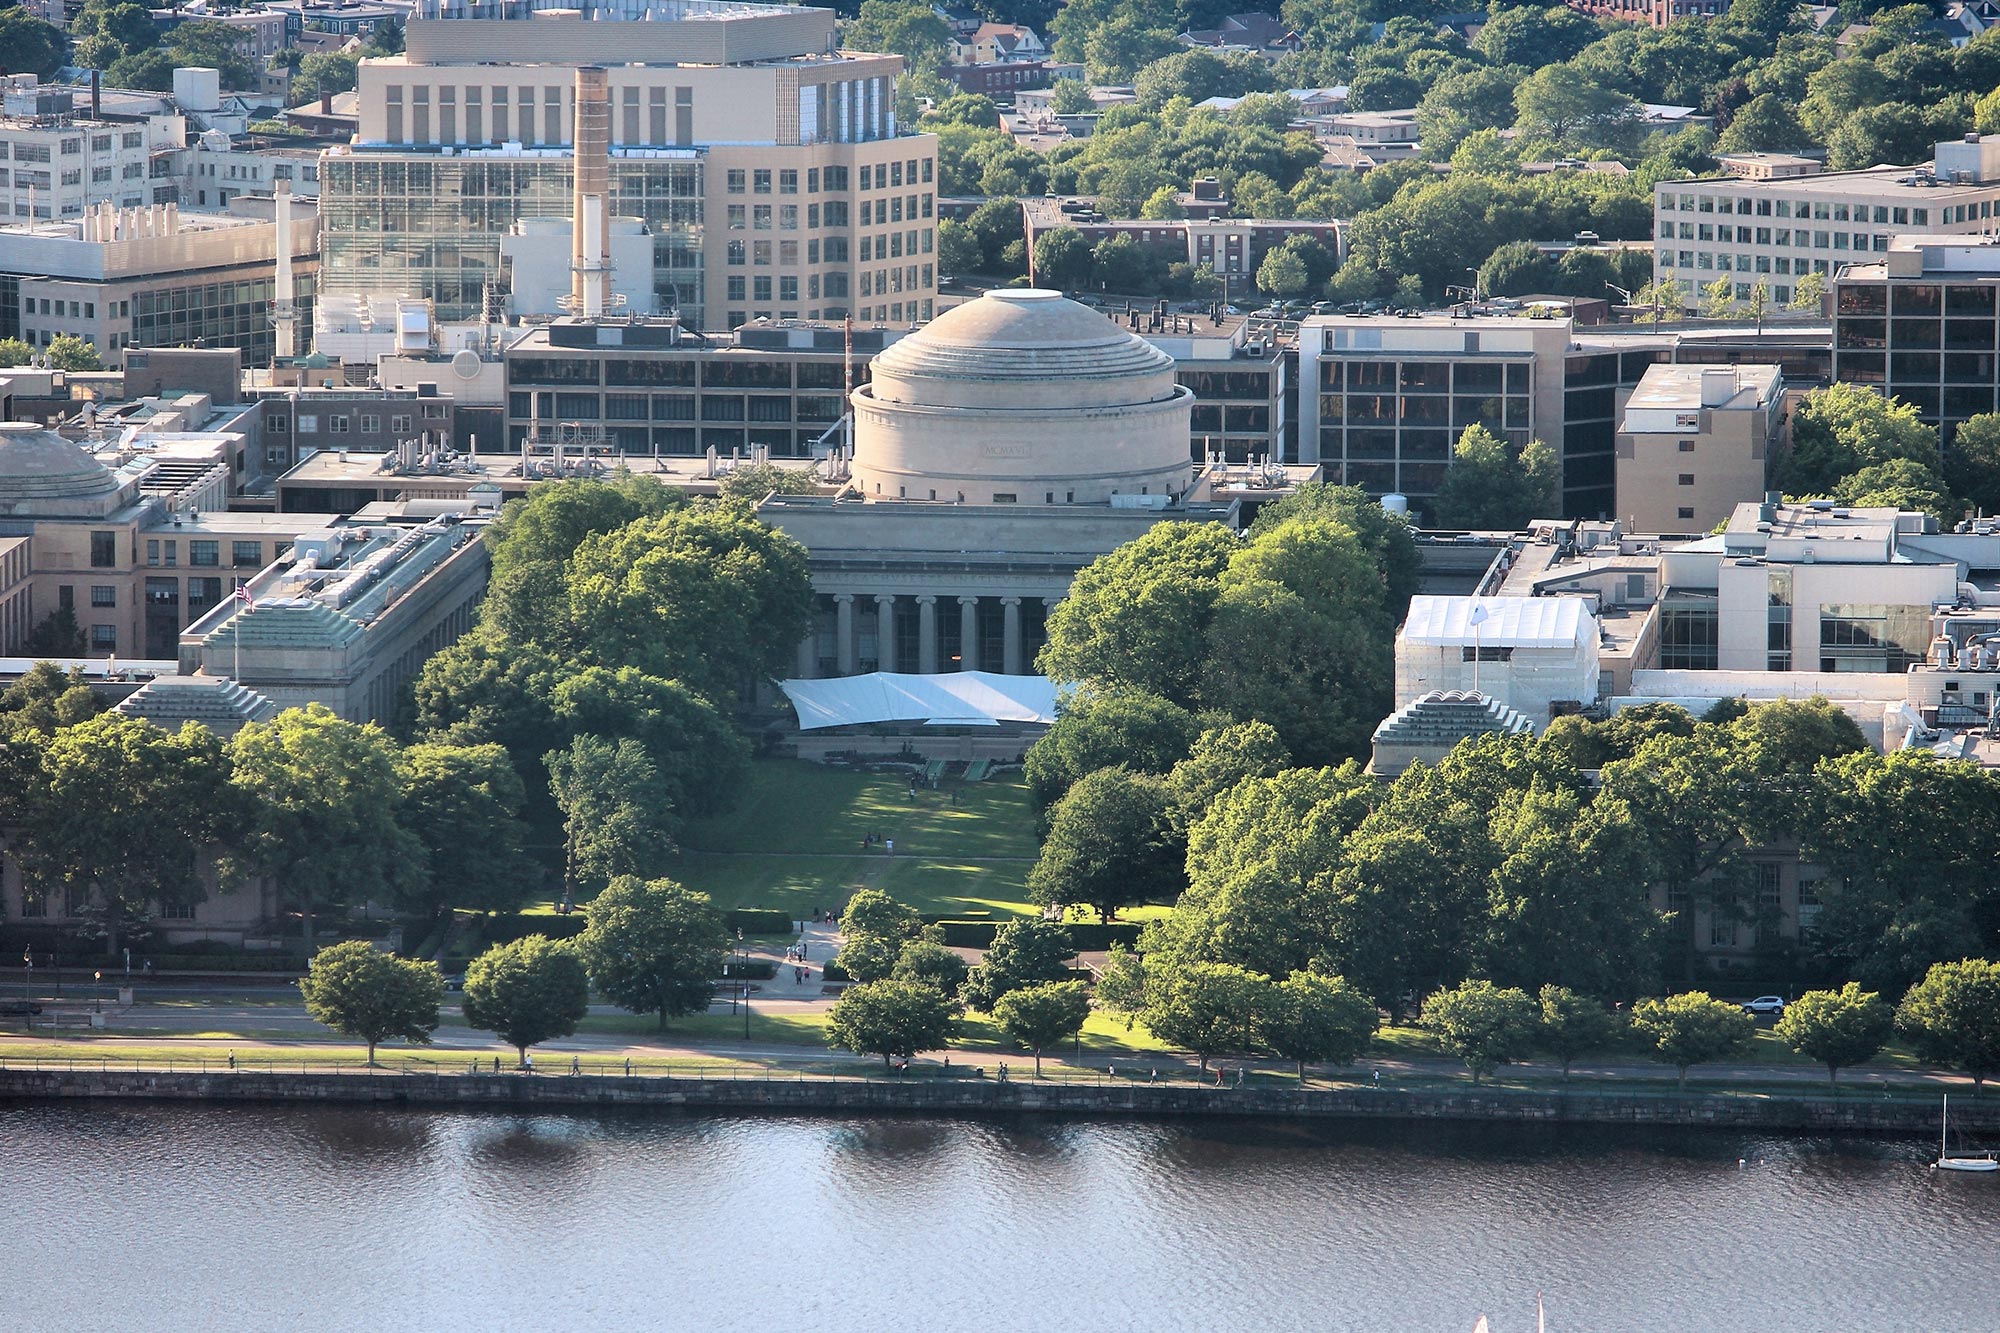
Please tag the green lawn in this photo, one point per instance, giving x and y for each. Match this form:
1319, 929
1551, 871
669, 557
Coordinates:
794, 842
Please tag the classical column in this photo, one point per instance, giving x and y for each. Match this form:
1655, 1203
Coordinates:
808, 663
843, 634
1010, 642
968, 634
927, 635
885, 631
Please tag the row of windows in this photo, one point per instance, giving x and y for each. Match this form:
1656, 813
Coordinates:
203, 553
1819, 210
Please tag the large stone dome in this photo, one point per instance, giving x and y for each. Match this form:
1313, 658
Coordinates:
1021, 396
41, 473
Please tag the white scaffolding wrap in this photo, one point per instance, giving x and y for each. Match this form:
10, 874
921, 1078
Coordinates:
951, 699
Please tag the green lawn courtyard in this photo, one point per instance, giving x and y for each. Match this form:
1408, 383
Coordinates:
794, 842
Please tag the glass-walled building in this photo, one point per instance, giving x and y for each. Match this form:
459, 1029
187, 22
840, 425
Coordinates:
1924, 326
767, 164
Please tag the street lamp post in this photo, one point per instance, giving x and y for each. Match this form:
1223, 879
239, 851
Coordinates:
98, 998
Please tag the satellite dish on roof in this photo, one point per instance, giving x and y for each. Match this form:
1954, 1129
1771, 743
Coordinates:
465, 364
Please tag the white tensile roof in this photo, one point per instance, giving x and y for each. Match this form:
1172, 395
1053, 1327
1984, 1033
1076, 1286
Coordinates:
948, 699
1510, 622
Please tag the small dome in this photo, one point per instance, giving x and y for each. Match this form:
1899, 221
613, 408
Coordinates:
37, 464
1020, 334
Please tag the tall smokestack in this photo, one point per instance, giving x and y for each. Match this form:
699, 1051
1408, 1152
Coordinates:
590, 216
283, 315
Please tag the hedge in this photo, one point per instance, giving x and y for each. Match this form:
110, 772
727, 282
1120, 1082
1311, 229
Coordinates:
757, 969
511, 926
213, 962
759, 921
1090, 935
939, 918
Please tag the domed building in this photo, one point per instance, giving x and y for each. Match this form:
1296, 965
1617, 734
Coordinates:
43, 475
997, 450
1018, 397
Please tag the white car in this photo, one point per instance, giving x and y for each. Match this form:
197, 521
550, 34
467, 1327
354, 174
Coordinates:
1773, 1005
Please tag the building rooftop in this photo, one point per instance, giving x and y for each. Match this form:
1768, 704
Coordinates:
220, 704
1500, 622
1918, 182
1676, 388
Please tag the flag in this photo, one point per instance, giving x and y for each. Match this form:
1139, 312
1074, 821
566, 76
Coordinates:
1478, 614
243, 596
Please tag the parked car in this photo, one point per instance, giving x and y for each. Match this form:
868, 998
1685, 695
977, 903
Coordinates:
19, 1008
1774, 1005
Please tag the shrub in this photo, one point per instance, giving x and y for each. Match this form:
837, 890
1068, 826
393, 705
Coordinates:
758, 921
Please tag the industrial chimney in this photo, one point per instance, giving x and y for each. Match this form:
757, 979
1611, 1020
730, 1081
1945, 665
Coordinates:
283, 314
590, 216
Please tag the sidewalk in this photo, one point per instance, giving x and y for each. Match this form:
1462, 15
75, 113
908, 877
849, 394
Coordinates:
821, 942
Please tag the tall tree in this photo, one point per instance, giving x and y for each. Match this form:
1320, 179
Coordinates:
1838, 1028
1692, 1029
1138, 617
891, 1018
118, 811
527, 992
1910, 840
323, 802
1484, 1025
1952, 1017
1972, 461
462, 804
1846, 427
1025, 952
1312, 1019
653, 947
359, 991
613, 809
706, 596
1043, 1015
1490, 486
1574, 1025
1110, 845
1207, 1008
1108, 728
535, 538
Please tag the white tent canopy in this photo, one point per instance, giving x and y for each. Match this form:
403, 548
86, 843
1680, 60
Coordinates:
949, 699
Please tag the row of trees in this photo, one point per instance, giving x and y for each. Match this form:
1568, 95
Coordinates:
125, 816
650, 947
1951, 1018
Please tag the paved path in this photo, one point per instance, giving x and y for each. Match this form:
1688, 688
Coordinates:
820, 942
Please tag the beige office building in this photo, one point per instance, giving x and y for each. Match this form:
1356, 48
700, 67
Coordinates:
1692, 445
1776, 229
765, 162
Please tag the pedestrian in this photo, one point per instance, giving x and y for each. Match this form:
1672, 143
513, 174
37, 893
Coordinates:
232, 1059
1154, 1077
528, 1062
1239, 1076
496, 1064
475, 1064
892, 846
805, 952
1111, 1071
947, 1062
628, 1066
576, 1064
1378, 1077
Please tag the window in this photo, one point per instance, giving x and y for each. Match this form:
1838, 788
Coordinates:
246, 555
1722, 925
371, 425
103, 550
103, 594
205, 553
399, 423
1687, 446
1686, 479
176, 911
337, 424
1684, 512
760, 181
104, 637
788, 181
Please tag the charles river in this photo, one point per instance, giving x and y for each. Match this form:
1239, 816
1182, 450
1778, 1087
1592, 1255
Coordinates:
157, 1217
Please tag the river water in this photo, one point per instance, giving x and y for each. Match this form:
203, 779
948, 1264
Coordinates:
157, 1217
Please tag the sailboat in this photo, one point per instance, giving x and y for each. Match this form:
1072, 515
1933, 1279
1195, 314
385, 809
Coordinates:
1946, 1162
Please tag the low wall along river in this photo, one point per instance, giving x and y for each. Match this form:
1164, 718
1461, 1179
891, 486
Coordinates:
1858, 1111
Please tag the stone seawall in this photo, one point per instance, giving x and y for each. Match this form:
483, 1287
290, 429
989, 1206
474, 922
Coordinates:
1858, 1112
